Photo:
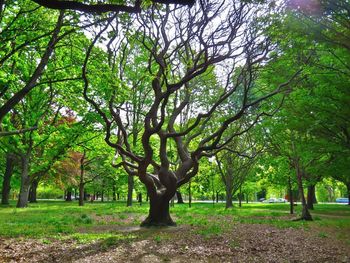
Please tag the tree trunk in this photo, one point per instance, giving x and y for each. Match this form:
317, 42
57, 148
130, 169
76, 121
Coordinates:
139, 198
81, 194
179, 197
311, 198
291, 201
85, 195
113, 193
33, 191
25, 183
130, 190
348, 187
6, 184
217, 196
69, 195
229, 203
189, 194
305, 214
102, 196
240, 197
159, 214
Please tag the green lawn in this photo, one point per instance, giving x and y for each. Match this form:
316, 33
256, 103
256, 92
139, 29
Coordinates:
56, 219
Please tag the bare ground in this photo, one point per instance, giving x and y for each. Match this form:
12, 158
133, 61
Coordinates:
241, 243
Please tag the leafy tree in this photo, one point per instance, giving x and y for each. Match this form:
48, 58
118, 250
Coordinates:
178, 65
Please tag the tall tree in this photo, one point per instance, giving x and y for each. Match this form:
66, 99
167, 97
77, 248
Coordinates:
183, 46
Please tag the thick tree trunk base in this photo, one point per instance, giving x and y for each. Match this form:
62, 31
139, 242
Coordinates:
159, 214
151, 222
229, 205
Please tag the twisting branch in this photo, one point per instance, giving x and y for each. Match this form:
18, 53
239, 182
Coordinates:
104, 8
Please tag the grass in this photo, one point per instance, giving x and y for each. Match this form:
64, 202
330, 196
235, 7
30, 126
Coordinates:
54, 219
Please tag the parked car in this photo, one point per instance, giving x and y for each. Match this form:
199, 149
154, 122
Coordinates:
270, 200
261, 199
281, 200
275, 200
342, 200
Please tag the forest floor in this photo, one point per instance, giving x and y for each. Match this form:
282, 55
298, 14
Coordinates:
106, 232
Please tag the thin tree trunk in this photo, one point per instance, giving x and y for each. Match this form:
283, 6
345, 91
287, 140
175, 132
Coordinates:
130, 190
291, 201
348, 187
25, 183
305, 214
140, 198
228, 190
179, 197
69, 195
81, 194
6, 183
102, 196
85, 195
240, 196
33, 191
113, 193
311, 196
189, 195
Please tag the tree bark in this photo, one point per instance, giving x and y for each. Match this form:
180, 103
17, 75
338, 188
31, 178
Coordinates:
130, 190
179, 197
33, 191
113, 193
81, 194
240, 196
25, 183
305, 214
229, 203
189, 195
159, 214
291, 201
311, 198
85, 196
69, 195
6, 184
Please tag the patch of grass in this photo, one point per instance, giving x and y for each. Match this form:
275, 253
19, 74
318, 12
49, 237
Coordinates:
210, 231
322, 234
158, 239
85, 219
122, 216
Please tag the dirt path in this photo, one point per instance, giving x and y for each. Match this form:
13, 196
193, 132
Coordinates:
242, 243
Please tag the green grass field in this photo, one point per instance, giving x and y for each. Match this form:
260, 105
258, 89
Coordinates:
57, 231
57, 219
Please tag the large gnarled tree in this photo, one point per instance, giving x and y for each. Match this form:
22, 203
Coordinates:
200, 70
